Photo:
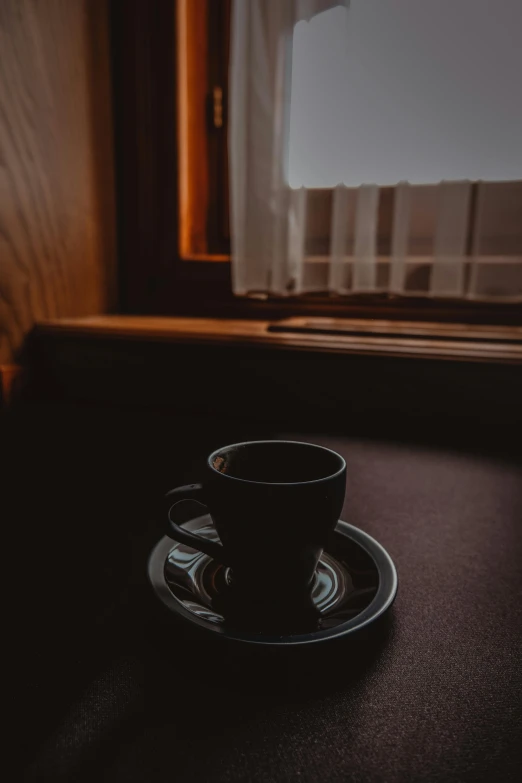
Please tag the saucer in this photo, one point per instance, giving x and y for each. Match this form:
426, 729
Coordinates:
355, 584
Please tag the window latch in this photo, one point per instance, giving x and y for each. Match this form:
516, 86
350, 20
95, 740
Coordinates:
217, 107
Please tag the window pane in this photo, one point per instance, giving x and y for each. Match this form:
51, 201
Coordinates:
418, 90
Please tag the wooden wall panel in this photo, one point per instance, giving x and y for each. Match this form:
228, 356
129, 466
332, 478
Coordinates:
57, 223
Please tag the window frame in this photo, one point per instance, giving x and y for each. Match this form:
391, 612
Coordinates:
172, 176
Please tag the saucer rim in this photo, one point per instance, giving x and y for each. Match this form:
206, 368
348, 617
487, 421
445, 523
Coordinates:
381, 602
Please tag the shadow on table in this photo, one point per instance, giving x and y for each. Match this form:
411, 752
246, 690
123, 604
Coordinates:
246, 676
167, 682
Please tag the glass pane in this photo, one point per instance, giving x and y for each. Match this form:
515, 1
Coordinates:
418, 90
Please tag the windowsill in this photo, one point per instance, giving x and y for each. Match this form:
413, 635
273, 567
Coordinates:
453, 342
381, 377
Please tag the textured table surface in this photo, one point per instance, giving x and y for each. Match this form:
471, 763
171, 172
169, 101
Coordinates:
111, 692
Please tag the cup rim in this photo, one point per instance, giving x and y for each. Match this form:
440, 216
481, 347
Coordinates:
276, 483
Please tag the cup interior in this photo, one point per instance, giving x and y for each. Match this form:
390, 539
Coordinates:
276, 462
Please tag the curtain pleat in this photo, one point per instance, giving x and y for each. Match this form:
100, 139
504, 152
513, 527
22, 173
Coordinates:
400, 237
364, 246
496, 268
451, 238
296, 240
339, 278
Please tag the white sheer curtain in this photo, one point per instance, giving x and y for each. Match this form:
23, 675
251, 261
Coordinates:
426, 249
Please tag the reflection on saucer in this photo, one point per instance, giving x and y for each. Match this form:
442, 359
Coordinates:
355, 581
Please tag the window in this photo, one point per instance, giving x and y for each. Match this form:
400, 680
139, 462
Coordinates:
188, 270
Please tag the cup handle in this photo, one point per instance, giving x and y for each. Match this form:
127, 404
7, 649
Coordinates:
184, 536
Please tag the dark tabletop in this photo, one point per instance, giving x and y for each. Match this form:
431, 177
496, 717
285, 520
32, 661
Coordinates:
108, 690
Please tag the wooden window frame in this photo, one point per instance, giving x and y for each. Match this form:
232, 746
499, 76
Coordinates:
168, 55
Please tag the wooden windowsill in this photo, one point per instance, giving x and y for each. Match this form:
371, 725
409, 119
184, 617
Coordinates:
454, 342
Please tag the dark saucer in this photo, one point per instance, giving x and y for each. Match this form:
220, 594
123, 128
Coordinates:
355, 583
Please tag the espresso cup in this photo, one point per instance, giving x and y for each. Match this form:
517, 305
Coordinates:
274, 504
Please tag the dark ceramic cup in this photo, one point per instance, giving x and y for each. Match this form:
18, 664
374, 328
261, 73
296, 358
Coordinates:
274, 505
